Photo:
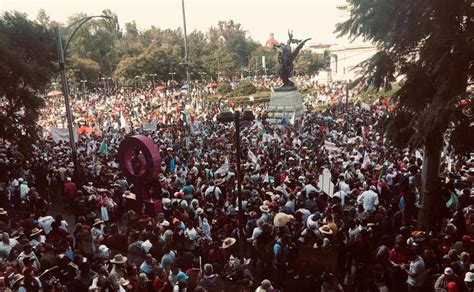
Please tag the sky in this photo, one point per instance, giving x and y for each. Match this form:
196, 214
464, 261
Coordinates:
314, 19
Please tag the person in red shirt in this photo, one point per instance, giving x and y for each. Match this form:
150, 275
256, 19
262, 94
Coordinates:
70, 191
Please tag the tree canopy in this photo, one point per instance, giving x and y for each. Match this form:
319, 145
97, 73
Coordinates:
130, 53
27, 65
429, 43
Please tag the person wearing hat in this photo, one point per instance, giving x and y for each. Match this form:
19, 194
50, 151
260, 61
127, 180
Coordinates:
265, 286
265, 210
209, 280
70, 191
444, 279
97, 233
17, 282
118, 268
36, 237
469, 281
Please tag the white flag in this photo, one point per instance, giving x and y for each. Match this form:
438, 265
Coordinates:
62, 134
365, 161
252, 157
330, 146
123, 123
418, 155
224, 169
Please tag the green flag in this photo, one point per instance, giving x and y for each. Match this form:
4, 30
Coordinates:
103, 148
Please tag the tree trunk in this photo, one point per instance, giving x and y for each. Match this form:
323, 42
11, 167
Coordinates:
430, 183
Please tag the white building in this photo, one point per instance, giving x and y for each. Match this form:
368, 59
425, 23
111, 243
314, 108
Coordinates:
345, 54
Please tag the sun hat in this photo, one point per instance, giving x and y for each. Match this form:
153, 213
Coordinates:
3, 212
199, 211
281, 219
448, 271
17, 278
36, 231
123, 282
97, 221
325, 229
166, 203
228, 242
469, 277
103, 248
118, 259
47, 271
129, 195
264, 208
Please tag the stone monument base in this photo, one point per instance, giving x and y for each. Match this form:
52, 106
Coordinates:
284, 104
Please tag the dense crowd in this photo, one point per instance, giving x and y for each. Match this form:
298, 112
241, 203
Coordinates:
81, 232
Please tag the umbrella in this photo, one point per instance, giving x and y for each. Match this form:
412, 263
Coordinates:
185, 86
54, 93
85, 130
211, 84
160, 88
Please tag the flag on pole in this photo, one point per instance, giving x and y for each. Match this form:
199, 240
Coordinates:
252, 157
267, 178
365, 161
224, 169
103, 148
123, 123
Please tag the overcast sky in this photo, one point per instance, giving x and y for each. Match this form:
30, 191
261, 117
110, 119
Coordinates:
307, 18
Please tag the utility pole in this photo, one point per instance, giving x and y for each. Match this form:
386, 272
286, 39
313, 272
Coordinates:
70, 119
188, 77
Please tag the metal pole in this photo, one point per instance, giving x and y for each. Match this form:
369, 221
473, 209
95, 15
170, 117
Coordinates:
188, 77
239, 184
59, 49
347, 94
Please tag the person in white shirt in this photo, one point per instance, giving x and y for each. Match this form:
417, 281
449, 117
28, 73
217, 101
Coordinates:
415, 271
391, 175
45, 223
24, 189
213, 190
369, 199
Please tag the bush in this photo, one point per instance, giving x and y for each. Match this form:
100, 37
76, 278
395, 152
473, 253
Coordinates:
245, 88
223, 88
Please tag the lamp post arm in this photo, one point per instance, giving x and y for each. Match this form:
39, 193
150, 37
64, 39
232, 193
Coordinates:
81, 23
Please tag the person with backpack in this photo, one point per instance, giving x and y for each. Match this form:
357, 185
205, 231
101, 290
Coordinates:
280, 260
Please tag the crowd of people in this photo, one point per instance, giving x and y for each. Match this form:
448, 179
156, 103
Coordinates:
80, 231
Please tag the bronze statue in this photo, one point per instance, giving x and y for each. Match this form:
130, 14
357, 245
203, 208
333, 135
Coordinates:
286, 56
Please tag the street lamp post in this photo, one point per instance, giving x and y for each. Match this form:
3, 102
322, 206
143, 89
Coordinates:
202, 74
110, 83
153, 75
83, 82
188, 77
172, 75
103, 80
62, 68
228, 117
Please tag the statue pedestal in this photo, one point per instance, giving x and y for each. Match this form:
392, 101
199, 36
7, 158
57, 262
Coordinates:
283, 104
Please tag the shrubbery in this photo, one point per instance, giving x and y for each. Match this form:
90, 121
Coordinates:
223, 88
245, 88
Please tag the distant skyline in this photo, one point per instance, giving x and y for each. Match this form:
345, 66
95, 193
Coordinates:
315, 19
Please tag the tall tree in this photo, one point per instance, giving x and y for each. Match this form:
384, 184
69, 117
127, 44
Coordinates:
27, 64
309, 62
430, 43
